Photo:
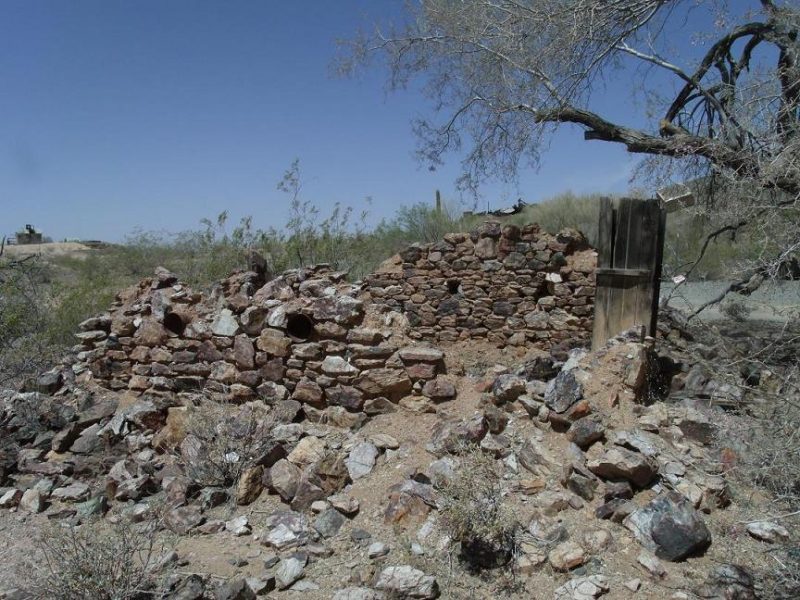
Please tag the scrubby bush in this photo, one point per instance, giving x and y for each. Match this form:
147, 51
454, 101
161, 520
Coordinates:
476, 514
222, 440
735, 308
101, 561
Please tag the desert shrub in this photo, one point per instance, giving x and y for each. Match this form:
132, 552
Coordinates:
99, 560
475, 512
735, 308
223, 440
24, 315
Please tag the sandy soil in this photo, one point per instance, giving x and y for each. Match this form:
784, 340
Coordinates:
774, 301
47, 250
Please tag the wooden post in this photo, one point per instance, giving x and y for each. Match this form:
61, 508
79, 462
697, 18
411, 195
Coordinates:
629, 256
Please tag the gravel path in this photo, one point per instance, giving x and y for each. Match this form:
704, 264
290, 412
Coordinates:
774, 301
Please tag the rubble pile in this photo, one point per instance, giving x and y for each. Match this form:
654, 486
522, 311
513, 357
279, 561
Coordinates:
286, 427
506, 284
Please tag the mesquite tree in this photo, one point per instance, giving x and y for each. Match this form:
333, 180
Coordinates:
723, 113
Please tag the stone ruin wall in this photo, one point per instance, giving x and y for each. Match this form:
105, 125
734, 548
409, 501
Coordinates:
509, 285
300, 337
304, 335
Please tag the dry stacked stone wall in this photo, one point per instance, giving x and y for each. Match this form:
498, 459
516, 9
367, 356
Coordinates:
511, 285
299, 337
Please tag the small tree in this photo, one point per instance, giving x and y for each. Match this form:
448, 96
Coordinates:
504, 74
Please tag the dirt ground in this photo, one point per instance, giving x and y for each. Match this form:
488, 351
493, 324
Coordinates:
73, 249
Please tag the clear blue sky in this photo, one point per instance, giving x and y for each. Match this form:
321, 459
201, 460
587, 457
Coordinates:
154, 114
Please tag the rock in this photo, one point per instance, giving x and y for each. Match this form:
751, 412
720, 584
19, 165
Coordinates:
507, 388
586, 431
357, 593
329, 522
540, 368
633, 584
135, 488
336, 365
234, 590
238, 526
284, 478
562, 392
766, 531
377, 550
250, 485
244, 353
596, 540
443, 471
695, 425
669, 527
191, 587
225, 324
384, 441
581, 483
183, 519
417, 404
346, 396
74, 492
361, 460
439, 390
347, 505
289, 570
450, 437
32, 501
729, 582
421, 354
378, 406
389, 383
173, 433
535, 458
286, 529
583, 588
409, 501
309, 392
93, 507
621, 463
407, 582
651, 564
50, 382
308, 450
566, 556
11, 498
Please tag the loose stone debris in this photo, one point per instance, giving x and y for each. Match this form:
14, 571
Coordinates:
310, 430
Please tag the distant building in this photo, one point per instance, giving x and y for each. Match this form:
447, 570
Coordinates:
29, 235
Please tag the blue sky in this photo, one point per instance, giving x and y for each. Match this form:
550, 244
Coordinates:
154, 114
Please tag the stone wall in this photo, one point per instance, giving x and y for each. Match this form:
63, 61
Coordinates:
302, 336
507, 284
299, 337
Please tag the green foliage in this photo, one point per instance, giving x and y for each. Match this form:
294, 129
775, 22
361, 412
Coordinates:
41, 303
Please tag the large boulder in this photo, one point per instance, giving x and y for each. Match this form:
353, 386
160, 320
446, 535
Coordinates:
670, 527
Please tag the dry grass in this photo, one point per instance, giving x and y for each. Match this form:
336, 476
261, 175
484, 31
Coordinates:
475, 513
98, 561
222, 440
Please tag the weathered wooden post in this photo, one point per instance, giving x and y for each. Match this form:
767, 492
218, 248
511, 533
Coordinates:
630, 252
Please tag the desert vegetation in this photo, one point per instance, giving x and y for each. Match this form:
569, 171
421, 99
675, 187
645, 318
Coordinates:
43, 300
